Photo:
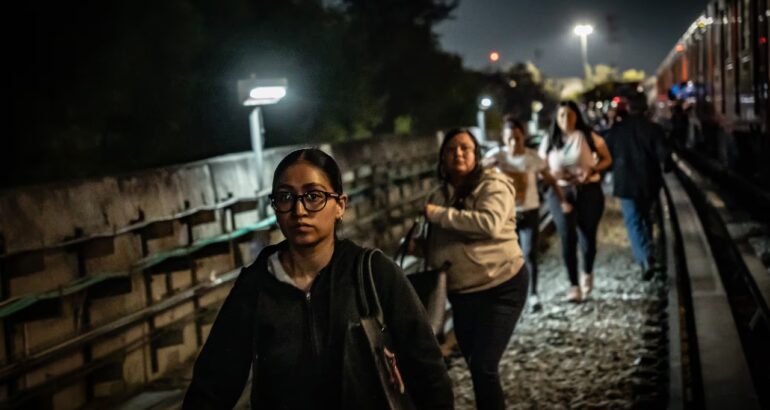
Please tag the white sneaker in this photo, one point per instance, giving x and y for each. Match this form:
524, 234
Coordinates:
534, 303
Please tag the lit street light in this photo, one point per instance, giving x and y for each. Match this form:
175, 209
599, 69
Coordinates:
583, 31
484, 104
256, 93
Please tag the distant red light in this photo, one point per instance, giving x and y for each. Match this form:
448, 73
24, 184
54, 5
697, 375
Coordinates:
616, 100
763, 40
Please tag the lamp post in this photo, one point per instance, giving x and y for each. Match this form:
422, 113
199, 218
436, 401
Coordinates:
534, 122
484, 104
583, 31
256, 93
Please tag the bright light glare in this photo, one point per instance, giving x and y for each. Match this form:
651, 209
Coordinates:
486, 102
265, 95
494, 56
584, 29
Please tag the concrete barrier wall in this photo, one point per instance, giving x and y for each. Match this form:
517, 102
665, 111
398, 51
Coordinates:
40, 216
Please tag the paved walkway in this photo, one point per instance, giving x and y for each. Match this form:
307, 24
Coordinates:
603, 353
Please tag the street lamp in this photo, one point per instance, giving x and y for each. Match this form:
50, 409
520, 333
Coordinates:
583, 31
534, 122
484, 104
256, 93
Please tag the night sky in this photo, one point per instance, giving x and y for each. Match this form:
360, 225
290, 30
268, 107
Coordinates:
646, 31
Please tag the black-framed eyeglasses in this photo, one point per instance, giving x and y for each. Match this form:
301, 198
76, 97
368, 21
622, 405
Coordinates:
313, 201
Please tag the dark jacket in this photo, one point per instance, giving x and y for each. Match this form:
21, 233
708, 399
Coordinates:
638, 152
296, 341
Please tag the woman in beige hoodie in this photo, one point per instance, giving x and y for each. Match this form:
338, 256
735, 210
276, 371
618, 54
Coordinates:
473, 225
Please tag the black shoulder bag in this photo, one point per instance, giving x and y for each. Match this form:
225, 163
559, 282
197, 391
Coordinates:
377, 334
429, 284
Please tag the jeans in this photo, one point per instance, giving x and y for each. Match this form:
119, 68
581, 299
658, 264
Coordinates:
579, 226
483, 324
636, 215
527, 224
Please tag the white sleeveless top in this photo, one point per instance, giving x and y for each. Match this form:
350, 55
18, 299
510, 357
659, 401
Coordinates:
575, 156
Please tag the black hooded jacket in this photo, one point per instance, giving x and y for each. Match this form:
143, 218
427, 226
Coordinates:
638, 151
295, 341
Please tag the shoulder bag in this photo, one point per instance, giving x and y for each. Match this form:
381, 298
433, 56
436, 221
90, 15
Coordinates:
378, 336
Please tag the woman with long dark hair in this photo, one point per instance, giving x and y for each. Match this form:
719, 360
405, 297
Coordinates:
290, 314
525, 167
473, 225
576, 157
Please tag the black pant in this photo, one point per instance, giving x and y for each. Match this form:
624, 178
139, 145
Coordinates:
578, 226
527, 228
483, 324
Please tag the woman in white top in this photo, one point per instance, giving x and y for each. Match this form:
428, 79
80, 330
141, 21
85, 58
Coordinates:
524, 166
576, 156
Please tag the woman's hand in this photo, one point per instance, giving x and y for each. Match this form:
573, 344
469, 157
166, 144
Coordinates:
583, 175
566, 207
430, 209
563, 174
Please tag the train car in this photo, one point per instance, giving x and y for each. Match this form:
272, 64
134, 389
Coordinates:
715, 83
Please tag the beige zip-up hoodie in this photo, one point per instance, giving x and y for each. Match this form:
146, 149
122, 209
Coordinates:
480, 241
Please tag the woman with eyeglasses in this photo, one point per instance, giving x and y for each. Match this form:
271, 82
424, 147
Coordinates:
576, 157
289, 314
472, 219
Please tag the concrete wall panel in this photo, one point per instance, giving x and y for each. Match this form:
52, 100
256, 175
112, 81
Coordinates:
180, 280
65, 364
159, 287
136, 364
70, 397
234, 176
60, 269
172, 357
215, 297
246, 218
164, 192
177, 238
209, 229
39, 334
213, 266
170, 316
107, 309
126, 250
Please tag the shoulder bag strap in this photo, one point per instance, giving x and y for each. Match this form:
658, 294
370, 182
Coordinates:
368, 300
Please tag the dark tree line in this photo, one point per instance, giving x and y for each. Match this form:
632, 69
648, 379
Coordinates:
100, 87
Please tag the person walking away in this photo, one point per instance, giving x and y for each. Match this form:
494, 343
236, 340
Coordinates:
638, 151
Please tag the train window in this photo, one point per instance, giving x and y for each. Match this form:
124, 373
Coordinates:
745, 24
723, 56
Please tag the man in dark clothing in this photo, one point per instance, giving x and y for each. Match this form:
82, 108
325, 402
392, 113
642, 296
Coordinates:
638, 151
